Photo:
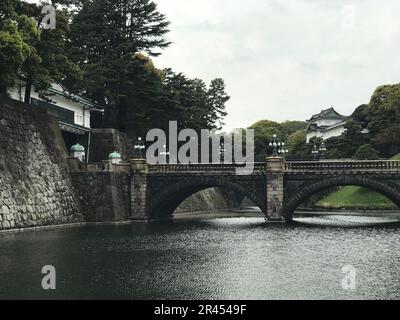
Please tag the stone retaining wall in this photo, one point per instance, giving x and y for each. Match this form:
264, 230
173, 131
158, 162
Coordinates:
37, 188
207, 200
105, 141
35, 185
105, 196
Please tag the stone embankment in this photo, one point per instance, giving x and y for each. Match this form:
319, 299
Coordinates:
35, 184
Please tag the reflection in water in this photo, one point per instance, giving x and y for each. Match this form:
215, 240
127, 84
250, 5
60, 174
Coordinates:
224, 258
347, 221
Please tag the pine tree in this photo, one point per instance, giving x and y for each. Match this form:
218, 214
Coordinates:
106, 35
142, 105
217, 99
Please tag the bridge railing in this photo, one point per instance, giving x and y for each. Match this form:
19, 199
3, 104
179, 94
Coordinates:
312, 166
304, 166
176, 168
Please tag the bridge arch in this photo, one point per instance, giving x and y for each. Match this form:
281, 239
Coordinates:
307, 190
166, 201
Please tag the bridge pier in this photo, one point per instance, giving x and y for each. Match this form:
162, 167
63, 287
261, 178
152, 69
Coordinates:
275, 189
139, 190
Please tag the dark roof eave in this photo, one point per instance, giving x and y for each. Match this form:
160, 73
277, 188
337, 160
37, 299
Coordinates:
323, 114
75, 127
80, 99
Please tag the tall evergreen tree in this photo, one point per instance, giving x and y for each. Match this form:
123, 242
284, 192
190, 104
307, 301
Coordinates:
217, 99
384, 108
142, 105
192, 103
106, 35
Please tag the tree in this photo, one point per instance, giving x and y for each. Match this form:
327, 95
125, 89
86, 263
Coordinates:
384, 108
361, 115
16, 33
149, 98
291, 127
105, 35
217, 99
389, 136
7, 9
366, 152
346, 145
28, 52
198, 115
337, 148
113, 41
178, 98
297, 144
191, 103
141, 98
264, 131
354, 136
48, 62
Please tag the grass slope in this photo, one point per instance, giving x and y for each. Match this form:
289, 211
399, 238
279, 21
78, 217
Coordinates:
352, 197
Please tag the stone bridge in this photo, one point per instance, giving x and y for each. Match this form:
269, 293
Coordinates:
153, 192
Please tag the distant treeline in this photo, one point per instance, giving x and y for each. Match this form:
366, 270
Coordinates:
381, 118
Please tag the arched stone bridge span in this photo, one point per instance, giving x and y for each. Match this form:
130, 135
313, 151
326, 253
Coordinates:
276, 187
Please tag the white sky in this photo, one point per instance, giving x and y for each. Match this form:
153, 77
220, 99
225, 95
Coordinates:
286, 59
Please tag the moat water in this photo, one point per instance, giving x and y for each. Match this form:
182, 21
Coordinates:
214, 258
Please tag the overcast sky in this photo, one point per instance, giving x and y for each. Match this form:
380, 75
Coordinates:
286, 59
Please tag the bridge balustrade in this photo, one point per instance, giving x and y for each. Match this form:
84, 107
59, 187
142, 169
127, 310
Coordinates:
310, 166
224, 168
306, 166
259, 167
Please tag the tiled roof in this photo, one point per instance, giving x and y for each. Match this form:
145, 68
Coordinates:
328, 113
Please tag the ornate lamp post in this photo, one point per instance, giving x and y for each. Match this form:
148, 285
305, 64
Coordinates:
322, 149
274, 144
283, 151
139, 147
278, 147
222, 151
315, 152
165, 153
319, 152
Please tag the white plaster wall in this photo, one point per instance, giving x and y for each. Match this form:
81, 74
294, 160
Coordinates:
81, 116
327, 122
14, 94
336, 132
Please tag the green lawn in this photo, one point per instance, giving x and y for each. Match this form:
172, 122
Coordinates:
353, 197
